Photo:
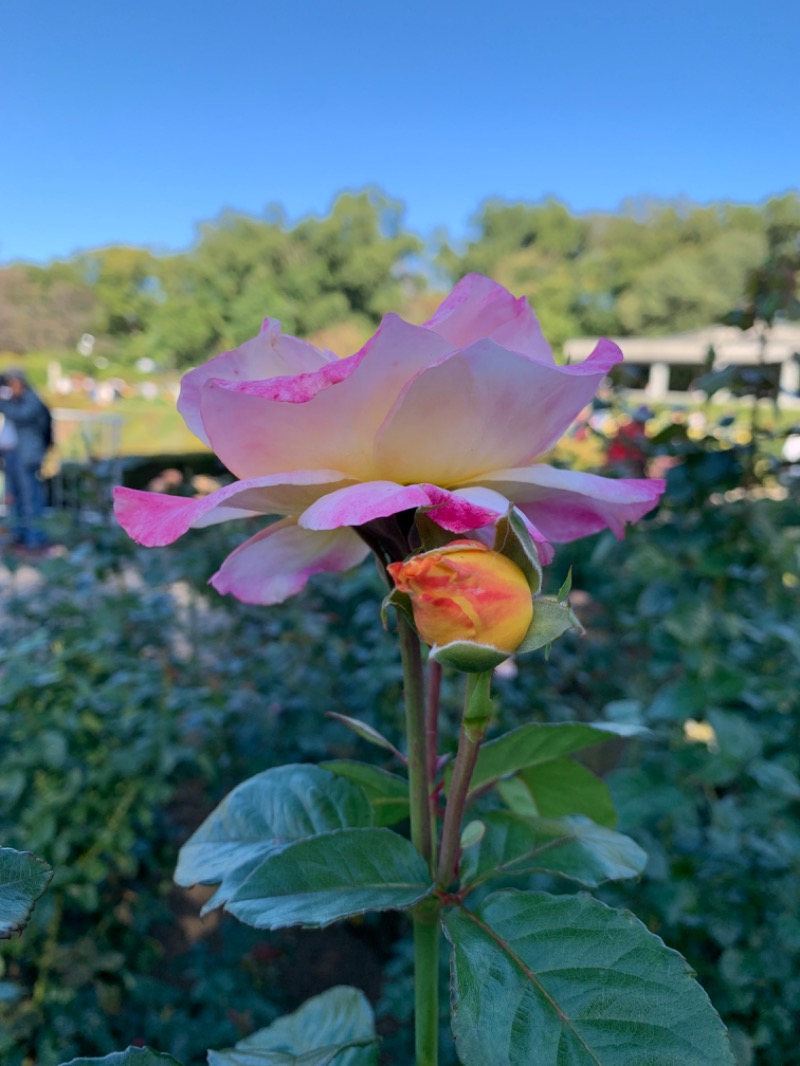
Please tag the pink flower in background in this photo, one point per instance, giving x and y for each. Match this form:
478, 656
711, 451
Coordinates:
451, 416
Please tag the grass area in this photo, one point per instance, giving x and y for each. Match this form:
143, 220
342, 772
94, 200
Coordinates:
153, 426
147, 427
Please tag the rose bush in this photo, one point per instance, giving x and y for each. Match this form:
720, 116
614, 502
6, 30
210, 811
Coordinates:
452, 416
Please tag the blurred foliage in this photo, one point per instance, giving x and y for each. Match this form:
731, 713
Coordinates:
132, 697
352, 266
652, 267
122, 723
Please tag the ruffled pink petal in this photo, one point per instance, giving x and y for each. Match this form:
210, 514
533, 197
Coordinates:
358, 504
270, 354
483, 409
459, 513
278, 561
155, 519
479, 308
566, 504
328, 418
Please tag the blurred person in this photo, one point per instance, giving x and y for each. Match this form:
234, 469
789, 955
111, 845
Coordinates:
30, 418
8, 447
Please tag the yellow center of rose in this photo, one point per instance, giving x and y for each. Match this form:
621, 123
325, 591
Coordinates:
466, 591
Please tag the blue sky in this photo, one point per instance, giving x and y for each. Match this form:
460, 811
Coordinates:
131, 122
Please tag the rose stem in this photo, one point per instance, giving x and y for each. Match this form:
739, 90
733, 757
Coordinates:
426, 915
477, 713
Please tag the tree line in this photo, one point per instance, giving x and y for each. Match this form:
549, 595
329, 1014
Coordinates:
651, 267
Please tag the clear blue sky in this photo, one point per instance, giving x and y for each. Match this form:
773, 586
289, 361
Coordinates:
129, 122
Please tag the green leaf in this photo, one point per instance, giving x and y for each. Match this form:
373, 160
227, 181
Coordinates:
23, 878
472, 834
320, 880
558, 787
540, 980
262, 816
388, 793
577, 848
334, 1028
551, 620
366, 732
532, 745
132, 1056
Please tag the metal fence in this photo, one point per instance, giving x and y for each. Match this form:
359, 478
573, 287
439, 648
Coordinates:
86, 463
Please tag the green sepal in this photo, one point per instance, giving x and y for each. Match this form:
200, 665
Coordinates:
565, 589
468, 656
401, 602
513, 540
432, 536
551, 620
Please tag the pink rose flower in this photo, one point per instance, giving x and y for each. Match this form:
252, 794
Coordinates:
451, 416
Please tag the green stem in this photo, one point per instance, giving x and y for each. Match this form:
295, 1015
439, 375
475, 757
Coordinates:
477, 713
426, 987
414, 690
426, 916
432, 739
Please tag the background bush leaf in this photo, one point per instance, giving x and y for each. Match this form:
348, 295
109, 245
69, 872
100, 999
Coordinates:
23, 878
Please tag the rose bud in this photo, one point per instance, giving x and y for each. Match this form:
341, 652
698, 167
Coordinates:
466, 592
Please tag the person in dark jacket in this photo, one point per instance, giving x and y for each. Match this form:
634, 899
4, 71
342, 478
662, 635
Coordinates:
21, 406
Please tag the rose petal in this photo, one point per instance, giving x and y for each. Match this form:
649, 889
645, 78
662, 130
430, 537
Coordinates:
356, 505
278, 561
483, 409
567, 504
479, 308
268, 355
329, 418
155, 519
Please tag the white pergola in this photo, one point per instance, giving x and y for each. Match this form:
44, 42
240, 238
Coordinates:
779, 345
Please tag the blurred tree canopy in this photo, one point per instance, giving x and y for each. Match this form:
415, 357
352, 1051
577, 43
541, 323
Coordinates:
652, 267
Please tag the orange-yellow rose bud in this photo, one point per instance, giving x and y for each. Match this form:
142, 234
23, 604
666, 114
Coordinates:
466, 591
